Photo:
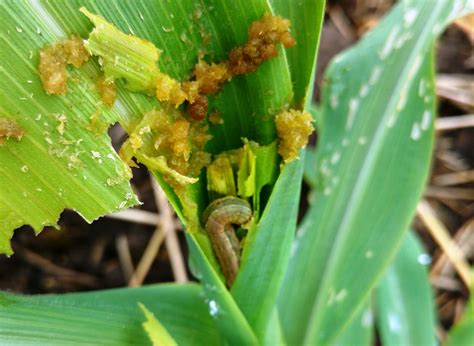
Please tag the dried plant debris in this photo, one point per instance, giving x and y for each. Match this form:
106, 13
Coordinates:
293, 128
54, 59
10, 129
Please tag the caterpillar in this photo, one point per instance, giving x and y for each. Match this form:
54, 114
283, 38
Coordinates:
218, 219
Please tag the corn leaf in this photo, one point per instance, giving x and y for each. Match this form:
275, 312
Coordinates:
267, 251
182, 30
404, 300
361, 329
373, 155
231, 323
155, 330
58, 163
462, 333
109, 317
307, 19
268, 246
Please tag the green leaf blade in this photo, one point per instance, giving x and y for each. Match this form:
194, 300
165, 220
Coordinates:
155, 330
307, 19
123, 56
180, 30
109, 317
267, 251
360, 331
372, 162
229, 320
462, 333
250, 102
83, 172
405, 304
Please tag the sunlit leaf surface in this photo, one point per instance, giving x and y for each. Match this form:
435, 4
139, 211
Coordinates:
372, 160
59, 163
50, 169
109, 317
404, 300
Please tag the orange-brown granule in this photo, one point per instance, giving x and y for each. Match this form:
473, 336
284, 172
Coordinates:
169, 90
53, 61
107, 90
10, 129
264, 35
181, 142
210, 76
198, 109
293, 128
215, 118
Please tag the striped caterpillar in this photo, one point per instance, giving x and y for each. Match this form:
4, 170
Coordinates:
218, 219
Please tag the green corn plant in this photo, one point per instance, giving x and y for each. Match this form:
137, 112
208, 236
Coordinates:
351, 265
462, 333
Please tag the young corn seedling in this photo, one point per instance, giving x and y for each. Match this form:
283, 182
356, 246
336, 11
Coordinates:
214, 97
